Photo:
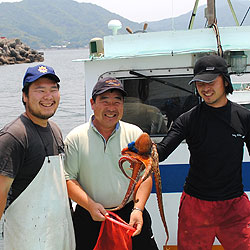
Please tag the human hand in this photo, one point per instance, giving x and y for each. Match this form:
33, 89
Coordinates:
97, 212
136, 221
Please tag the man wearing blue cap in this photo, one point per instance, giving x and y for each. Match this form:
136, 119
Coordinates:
32, 184
213, 203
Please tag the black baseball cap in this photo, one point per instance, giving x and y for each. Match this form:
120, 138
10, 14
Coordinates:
108, 83
208, 68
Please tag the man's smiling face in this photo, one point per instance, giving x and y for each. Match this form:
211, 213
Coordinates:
108, 109
42, 100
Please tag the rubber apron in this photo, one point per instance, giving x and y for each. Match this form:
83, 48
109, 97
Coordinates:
40, 218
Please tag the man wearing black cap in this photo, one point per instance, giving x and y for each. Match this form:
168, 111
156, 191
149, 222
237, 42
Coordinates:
213, 203
94, 180
32, 181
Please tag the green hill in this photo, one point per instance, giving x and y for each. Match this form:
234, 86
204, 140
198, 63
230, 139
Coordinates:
53, 22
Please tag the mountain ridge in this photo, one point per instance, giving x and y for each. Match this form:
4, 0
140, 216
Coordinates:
42, 24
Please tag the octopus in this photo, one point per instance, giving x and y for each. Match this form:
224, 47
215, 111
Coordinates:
144, 159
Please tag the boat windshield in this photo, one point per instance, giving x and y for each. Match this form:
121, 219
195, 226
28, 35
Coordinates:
154, 103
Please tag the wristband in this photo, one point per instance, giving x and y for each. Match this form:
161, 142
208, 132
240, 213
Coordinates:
137, 208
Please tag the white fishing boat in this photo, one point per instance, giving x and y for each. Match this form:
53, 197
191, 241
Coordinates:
155, 68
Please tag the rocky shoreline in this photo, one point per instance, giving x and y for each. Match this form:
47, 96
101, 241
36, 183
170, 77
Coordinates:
13, 51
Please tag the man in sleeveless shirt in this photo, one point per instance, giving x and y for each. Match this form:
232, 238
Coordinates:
33, 191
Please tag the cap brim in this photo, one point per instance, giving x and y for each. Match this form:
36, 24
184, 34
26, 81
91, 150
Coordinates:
49, 75
54, 77
204, 78
105, 90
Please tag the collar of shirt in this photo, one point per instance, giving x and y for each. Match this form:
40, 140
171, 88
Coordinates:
95, 129
92, 124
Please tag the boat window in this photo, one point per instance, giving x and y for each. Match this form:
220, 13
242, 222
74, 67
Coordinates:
152, 104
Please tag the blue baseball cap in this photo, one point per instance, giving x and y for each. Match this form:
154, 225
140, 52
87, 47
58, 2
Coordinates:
34, 73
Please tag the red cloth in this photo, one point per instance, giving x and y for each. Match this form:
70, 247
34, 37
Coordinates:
114, 234
201, 221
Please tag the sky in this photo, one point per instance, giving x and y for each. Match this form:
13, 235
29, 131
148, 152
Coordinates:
143, 10
146, 10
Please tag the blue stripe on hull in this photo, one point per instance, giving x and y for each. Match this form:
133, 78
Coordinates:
246, 175
173, 177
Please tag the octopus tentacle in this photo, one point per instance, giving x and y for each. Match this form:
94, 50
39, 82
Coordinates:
136, 166
131, 161
157, 178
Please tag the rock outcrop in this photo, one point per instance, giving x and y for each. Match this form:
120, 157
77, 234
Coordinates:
13, 51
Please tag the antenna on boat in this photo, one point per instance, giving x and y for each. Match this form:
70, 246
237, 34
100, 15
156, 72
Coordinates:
114, 25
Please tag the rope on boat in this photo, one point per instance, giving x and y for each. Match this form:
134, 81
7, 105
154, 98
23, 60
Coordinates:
217, 33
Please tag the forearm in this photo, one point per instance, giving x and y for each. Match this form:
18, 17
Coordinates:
143, 193
136, 217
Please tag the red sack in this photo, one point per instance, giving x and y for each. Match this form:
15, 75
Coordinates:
114, 234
